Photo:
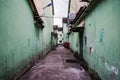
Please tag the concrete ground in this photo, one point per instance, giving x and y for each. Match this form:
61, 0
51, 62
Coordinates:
55, 67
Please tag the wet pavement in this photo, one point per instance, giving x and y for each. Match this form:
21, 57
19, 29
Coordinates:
59, 64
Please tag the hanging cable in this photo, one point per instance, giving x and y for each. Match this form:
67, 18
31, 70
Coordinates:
49, 17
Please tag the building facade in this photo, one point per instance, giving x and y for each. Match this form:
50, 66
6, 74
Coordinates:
100, 37
60, 35
65, 29
24, 35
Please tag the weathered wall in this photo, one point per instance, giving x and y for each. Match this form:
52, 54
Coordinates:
74, 41
20, 40
48, 22
53, 41
102, 32
65, 31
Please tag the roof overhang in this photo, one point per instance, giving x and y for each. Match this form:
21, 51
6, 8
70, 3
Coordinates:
38, 20
77, 29
85, 11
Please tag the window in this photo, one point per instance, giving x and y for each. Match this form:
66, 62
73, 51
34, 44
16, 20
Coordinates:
60, 35
60, 41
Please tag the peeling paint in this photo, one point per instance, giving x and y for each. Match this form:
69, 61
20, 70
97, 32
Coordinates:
112, 68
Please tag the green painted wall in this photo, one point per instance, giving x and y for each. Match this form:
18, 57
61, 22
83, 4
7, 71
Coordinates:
48, 22
102, 49
102, 32
20, 40
53, 41
65, 31
74, 41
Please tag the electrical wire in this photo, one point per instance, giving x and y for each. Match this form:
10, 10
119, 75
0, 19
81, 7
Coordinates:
50, 17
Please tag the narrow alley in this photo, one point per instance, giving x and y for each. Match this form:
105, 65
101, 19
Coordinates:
59, 40
57, 66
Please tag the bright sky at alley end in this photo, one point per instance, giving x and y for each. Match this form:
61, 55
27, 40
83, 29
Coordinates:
61, 9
